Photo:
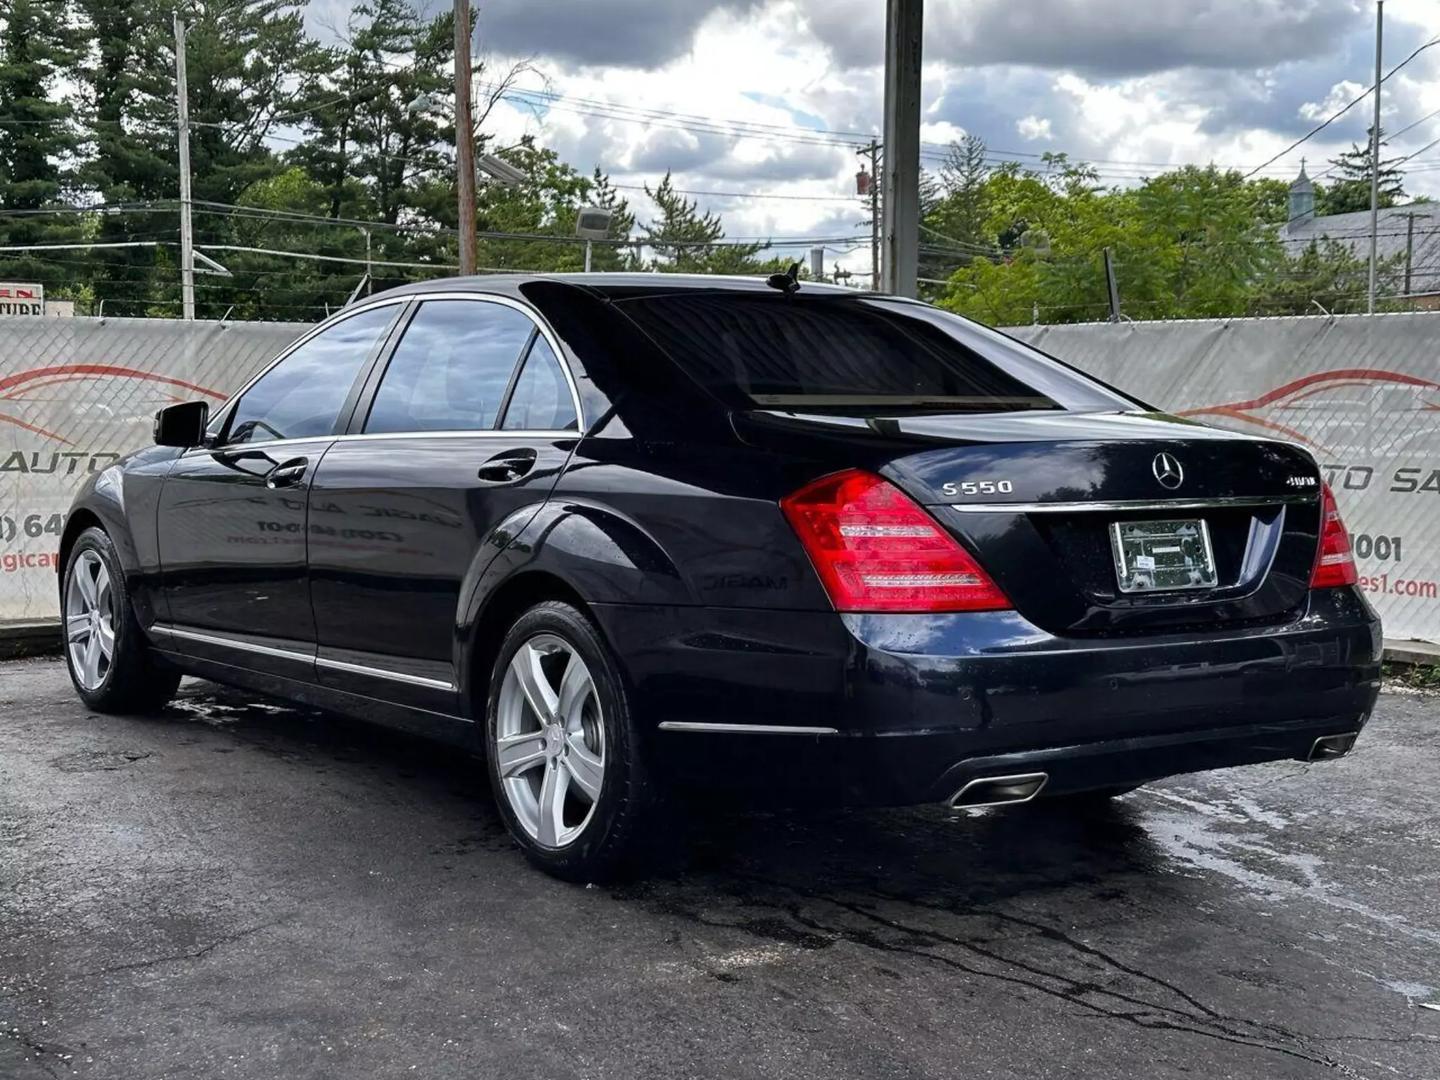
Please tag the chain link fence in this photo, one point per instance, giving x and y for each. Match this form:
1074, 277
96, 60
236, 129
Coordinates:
1360, 392
75, 395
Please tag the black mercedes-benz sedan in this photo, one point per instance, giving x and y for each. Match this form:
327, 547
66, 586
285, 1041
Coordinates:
638, 535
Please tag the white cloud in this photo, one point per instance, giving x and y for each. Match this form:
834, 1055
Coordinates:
1034, 128
1131, 88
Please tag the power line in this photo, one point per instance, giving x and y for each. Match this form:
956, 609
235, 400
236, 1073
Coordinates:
1315, 131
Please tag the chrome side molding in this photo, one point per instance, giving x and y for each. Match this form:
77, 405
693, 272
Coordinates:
745, 729
303, 658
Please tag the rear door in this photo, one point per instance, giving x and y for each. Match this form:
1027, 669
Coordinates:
465, 426
232, 515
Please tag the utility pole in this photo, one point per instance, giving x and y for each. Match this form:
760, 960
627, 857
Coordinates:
1111, 288
187, 236
873, 191
904, 22
464, 139
1409, 249
1375, 157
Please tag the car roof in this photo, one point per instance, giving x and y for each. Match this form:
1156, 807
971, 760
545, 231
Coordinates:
613, 284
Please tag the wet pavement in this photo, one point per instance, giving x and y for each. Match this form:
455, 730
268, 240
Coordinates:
244, 890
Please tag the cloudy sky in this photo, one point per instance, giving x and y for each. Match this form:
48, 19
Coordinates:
641, 86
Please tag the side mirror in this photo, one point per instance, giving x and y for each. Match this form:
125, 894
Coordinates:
182, 424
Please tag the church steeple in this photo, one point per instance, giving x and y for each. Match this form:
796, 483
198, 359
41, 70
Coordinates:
1302, 198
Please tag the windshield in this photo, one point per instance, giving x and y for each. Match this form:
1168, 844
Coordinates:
853, 355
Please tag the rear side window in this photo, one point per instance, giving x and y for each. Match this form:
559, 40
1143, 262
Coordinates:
451, 368
839, 354
541, 401
301, 396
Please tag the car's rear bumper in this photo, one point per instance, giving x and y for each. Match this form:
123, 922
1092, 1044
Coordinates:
919, 704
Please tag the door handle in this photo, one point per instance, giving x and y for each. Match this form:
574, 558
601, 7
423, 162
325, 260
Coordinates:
287, 473
507, 466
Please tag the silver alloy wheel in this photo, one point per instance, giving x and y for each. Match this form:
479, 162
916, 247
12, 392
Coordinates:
549, 740
90, 619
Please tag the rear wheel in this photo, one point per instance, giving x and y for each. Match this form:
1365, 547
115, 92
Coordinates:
110, 662
563, 756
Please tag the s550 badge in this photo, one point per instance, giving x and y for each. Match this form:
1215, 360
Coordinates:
978, 487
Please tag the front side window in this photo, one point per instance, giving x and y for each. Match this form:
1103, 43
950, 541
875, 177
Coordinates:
541, 400
451, 368
301, 396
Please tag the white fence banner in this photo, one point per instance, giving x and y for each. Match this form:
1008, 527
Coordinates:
1362, 393
75, 395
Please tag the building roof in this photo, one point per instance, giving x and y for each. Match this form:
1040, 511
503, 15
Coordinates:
1353, 230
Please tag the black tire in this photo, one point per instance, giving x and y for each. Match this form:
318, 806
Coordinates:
133, 681
610, 832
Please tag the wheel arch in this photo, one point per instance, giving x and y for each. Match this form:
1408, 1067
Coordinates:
506, 603
80, 519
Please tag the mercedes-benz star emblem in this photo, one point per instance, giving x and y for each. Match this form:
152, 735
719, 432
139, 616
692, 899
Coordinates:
1168, 471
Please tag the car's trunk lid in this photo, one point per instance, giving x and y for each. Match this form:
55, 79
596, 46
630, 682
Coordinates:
1035, 496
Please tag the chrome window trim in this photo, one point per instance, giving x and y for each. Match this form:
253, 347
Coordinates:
488, 433
1126, 505
384, 673
307, 658
535, 319
476, 297
744, 729
235, 448
333, 320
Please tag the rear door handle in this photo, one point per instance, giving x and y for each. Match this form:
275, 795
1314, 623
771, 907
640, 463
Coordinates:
287, 473
507, 466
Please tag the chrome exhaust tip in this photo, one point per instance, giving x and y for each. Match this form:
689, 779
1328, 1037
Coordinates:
999, 790
1330, 747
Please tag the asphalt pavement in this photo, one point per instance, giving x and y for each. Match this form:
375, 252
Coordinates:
243, 889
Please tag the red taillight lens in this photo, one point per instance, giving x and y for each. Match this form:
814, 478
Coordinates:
876, 550
1334, 564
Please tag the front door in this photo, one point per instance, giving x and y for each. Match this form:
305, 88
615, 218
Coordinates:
469, 424
232, 515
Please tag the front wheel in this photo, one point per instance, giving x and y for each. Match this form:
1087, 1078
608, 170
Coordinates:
563, 755
110, 662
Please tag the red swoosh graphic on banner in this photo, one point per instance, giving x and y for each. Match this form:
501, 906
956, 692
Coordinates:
37, 430
1312, 385
98, 371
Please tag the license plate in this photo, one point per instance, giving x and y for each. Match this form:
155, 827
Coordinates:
1159, 556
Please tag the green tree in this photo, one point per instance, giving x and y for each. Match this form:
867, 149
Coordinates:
1327, 272
545, 204
37, 139
686, 241
1349, 192
963, 201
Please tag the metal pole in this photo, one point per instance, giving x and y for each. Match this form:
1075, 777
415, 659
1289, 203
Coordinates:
904, 23
369, 279
187, 237
464, 139
1409, 248
874, 216
1111, 287
1375, 157
587, 256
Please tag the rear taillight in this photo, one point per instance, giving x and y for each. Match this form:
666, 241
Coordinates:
876, 550
1334, 564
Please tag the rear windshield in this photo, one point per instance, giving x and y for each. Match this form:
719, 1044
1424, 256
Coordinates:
842, 354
